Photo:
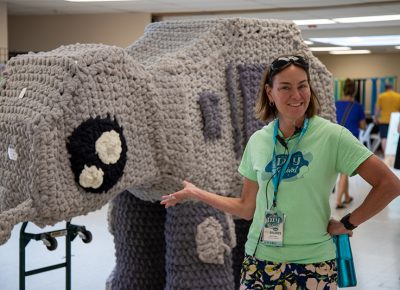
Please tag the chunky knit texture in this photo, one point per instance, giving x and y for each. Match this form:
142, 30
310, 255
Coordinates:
65, 88
211, 115
138, 229
233, 103
183, 95
81, 147
250, 78
194, 258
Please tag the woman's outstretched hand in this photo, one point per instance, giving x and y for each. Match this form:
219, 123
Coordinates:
337, 228
186, 193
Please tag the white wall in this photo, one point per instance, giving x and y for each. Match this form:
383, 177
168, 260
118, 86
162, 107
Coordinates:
363, 65
46, 32
3, 32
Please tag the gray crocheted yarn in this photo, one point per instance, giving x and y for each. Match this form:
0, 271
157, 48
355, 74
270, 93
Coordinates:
198, 248
211, 115
233, 103
250, 78
138, 230
64, 88
162, 92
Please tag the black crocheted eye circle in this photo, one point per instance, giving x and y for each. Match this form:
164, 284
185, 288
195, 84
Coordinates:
81, 146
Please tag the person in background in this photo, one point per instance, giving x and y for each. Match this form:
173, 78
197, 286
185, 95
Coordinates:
349, 114
387, 103
289, 168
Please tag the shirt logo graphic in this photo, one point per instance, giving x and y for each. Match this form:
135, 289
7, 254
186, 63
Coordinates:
297, 167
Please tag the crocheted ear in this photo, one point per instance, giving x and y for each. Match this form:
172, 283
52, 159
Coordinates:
97, 151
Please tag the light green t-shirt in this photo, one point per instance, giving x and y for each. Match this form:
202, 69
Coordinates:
325, 150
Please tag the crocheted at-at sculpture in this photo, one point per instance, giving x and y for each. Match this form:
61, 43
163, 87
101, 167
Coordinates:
82, 123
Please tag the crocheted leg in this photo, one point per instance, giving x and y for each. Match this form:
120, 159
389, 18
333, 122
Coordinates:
198, 248
242, 228
138, 229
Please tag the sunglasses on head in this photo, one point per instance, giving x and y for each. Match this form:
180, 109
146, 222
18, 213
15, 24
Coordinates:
284, 61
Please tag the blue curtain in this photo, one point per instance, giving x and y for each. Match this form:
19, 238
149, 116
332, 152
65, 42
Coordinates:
363, 93
336, 89
374, 94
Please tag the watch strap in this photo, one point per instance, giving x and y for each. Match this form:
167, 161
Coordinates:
347, 224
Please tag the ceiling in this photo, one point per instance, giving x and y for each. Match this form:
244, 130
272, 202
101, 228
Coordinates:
282, 9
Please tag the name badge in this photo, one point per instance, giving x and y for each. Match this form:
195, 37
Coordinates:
273, 228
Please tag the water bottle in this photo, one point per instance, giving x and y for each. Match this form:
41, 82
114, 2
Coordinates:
345, 264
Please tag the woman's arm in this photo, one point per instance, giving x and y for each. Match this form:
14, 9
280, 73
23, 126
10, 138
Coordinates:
243, 206
385, 188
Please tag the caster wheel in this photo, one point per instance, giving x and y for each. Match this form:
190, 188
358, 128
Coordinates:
50, 243
86, 237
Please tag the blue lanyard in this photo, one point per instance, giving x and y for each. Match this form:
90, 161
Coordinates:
278, 176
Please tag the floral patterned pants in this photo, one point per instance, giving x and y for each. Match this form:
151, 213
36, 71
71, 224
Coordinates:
262, 275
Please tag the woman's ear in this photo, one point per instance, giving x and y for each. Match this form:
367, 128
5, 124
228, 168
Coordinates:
268, 90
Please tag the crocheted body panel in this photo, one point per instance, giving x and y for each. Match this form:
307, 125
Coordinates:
218, 58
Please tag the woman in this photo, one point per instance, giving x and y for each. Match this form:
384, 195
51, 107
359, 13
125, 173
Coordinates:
289, 243
351, 115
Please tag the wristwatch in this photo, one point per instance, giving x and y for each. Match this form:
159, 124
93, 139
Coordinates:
347, 224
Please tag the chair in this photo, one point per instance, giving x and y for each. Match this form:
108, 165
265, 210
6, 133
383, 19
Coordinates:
366, 137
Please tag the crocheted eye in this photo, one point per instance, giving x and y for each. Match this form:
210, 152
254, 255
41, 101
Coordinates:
97, 149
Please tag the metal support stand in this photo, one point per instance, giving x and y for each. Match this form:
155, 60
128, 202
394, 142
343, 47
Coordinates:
49, 239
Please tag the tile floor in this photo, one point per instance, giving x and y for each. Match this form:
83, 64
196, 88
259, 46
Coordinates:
376, 250
376, 243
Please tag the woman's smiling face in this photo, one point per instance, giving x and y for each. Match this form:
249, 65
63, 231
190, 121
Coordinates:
290, 93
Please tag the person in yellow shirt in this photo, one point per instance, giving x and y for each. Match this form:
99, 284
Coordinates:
387, 103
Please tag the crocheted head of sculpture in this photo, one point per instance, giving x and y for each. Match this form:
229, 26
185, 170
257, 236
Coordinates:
64, 120
82, 123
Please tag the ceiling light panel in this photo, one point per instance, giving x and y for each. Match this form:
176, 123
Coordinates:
368, 19
330, 48
99, 0
313, 21
360, 51
380, 40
